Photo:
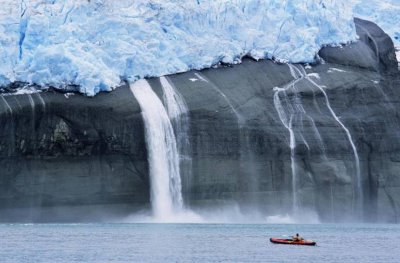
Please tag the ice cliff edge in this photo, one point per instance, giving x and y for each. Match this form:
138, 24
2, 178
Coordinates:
96, 44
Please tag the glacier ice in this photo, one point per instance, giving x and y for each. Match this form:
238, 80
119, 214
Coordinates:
96, 44
384, 13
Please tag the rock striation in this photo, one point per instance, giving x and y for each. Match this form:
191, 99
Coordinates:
67, 157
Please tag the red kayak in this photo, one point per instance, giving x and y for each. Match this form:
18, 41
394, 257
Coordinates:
291, 242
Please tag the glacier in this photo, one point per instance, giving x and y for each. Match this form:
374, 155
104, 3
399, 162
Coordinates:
94, 45
384, 13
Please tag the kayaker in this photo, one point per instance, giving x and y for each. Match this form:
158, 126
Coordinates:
297, 237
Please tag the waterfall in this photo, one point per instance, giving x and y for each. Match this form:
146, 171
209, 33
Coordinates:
12, 134
300, 74
7, 105
175, 104
293, 112
331, 203
348, 134
33, 133
318, 135
293, 165
178, 113
288, 124
32, 102
247, 158
41, 101
238, 116
163, 157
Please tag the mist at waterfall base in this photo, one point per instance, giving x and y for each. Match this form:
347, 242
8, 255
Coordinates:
196, 243
166, 128
222, 214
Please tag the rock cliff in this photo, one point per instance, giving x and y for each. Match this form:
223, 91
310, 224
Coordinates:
333, 126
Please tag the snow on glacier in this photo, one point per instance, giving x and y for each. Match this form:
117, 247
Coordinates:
96, 44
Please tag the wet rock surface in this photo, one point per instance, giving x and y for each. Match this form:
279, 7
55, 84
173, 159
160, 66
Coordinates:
69, 157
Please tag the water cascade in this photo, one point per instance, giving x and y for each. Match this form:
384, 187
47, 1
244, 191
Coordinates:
247, 157
290, 109
163, 157
32, 102
358, 185
12, 134
238, 116
9, 109
293, 165
41, 101
178, 113
286, 115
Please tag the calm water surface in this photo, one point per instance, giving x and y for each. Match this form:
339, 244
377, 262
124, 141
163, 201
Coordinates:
196, 243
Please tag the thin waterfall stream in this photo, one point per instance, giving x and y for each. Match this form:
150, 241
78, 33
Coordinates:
358, 185
287, 115
237, 114
286, 118
246, 151
12, 134
178, 114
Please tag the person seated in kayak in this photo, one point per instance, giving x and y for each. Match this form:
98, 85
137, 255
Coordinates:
297, 237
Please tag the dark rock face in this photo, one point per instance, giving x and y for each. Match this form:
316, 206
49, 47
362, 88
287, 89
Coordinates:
373, 51
59, 150
76, 158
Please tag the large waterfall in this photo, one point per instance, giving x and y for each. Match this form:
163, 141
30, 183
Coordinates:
163, 157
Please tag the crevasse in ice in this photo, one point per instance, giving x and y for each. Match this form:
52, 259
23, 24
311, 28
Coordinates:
96, 44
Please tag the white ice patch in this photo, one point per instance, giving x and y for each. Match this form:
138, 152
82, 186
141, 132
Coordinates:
24, 90
314, 75
96, 44
69, 94
331, 70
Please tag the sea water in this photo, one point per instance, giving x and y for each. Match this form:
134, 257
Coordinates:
196, 243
